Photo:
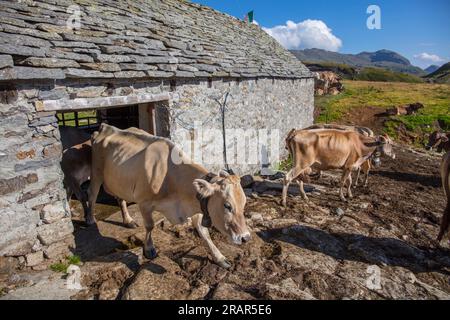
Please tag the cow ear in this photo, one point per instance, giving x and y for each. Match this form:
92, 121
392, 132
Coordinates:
444, 138
203, 187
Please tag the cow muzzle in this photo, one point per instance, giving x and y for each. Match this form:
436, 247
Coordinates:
238, 239
376, 162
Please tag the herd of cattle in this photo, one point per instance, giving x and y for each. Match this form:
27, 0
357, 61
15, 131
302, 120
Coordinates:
134, 166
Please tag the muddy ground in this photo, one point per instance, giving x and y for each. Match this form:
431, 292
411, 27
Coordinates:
380, 245
321, 249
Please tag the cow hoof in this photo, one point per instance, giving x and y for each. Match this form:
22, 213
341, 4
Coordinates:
224, 264
150, 254
90, 222
131, 225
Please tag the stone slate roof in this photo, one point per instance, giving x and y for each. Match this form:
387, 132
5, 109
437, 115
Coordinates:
135, 39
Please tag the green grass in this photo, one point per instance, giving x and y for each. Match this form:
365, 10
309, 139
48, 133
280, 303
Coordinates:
70, 118
284, 165
62, 266
357, 94
377, 74
59, 267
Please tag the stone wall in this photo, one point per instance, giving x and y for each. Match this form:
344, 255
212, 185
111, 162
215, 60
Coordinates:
35, 225
274, 104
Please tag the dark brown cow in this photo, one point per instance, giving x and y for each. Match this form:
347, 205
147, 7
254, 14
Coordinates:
439, 141
76, 166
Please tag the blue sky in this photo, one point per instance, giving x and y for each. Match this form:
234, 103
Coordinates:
417, 29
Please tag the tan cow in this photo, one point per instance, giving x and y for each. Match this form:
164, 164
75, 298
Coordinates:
445, 175
76, 166
152, 172
324, 149
367, 165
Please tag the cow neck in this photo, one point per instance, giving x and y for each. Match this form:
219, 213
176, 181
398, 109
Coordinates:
206, 220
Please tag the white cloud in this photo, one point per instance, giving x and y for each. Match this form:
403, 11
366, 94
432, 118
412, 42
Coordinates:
304, 35
431, 58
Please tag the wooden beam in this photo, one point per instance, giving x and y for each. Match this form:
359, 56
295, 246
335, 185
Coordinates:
98, 103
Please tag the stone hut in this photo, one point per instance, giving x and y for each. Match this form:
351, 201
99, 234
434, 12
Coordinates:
161, 65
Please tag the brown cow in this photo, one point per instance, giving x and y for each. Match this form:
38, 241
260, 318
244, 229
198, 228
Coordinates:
76, 166
367, 165
445, 175
408, 109
152, 172
440, 141
325, 149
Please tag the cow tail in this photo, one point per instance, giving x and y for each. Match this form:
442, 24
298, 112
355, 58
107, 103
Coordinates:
289, 138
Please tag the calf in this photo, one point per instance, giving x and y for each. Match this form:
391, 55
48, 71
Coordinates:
331, 149
445, 175
440, 141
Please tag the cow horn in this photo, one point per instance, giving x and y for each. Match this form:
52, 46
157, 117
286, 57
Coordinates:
223, 174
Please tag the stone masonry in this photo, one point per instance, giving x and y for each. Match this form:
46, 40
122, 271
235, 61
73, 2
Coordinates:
184, 56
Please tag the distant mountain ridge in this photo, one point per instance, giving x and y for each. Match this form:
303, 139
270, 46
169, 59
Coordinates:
431, 69
386, 59
441, 75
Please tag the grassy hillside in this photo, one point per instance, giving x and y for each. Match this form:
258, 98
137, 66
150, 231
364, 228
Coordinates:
343, 70
382, 95
365, 74
377, 74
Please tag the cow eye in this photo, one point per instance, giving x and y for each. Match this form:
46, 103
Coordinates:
228, 206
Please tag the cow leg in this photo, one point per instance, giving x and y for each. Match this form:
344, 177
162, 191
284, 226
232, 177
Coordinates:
366, 169
82, 197
344, 178
218, 257
94, 188
147, 214
291, 175
349, 187
302, 190
444, 223
127, 219
357, 176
